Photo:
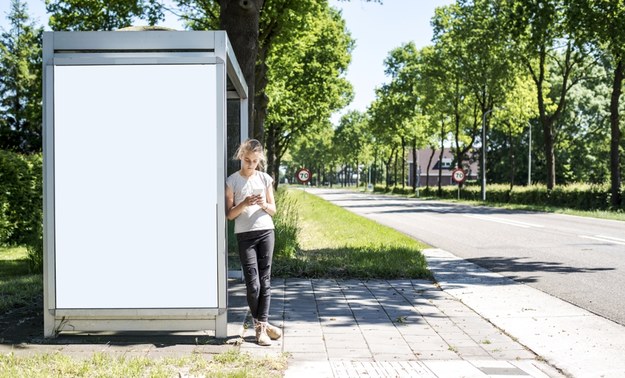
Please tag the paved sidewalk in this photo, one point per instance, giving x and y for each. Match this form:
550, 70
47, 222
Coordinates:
388, 328
577, 341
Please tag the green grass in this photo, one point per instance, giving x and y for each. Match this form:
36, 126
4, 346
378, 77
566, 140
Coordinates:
599, 214
18, 287
335, 243
496, 191
229, 364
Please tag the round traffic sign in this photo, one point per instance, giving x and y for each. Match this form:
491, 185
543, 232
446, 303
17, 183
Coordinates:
458, 175
303, 175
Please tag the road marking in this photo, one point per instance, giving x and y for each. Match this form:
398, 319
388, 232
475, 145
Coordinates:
504, 221
602, 238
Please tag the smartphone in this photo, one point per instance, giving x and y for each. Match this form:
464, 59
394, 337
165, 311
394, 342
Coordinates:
257, 191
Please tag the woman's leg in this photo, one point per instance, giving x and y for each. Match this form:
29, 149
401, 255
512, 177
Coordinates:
247, 243
264, 249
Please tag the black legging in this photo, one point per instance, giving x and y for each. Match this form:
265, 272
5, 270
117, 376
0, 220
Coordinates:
256, 253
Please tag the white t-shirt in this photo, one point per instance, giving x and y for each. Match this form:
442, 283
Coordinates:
253, 218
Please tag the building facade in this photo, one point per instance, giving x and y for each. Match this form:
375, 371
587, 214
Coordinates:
428, 157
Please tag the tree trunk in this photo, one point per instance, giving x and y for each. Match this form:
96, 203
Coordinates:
615, 140
511, 157
440, 160
271, 155
550, 158
548, 121
440, 169
240, 19
261, 101
403, 162
413, 171
427, 173
387, 164
395, 168
276, 173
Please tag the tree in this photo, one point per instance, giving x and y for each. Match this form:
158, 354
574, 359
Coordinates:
472, 47
587, 119
305, 82
539, 30
405, 67
20, 82
352, 140
92, 15
385, 123
518, 110
314, 151
252, 25
600, 23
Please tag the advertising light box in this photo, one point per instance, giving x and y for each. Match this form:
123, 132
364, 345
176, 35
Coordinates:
135, 186
134, 157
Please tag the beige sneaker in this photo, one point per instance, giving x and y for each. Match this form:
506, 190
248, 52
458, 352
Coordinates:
273, 332
261, 334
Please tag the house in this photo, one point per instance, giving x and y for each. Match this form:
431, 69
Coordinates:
445, 165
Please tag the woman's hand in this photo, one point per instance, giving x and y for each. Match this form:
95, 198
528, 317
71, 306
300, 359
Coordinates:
253, 200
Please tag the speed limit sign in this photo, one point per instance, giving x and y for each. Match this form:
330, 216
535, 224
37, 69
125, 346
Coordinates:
303, 175
458, 175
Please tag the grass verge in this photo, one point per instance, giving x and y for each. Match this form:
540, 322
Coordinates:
599, 214
18, 287
335, 243
618, 215
228, 364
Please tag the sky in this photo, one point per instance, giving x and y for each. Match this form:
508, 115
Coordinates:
377, 29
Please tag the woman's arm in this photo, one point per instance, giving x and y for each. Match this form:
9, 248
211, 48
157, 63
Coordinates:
233, 211
269, 206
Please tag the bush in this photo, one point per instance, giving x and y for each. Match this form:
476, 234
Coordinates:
21, 204
286, 223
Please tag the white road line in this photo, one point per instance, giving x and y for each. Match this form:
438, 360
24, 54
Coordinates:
611, 237
504, 221
606, 239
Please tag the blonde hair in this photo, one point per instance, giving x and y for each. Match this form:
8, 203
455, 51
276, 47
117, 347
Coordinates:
250, 146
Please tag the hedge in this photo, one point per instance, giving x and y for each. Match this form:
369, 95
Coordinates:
574, 196
21, 204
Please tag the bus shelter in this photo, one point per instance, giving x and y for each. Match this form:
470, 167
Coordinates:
135, 235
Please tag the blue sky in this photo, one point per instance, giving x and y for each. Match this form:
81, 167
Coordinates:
377, 29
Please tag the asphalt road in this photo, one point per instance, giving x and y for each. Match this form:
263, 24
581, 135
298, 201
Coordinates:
580, 260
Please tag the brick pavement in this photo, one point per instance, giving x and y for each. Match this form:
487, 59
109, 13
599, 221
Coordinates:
388, 328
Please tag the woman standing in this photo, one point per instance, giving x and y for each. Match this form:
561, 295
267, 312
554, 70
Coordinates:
250, 202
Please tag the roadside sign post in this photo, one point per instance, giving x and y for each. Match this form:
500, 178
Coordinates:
303, 176
458, 176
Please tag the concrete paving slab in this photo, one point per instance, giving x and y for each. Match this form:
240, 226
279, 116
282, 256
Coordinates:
454, 368
349, 353
299, 368
578, 342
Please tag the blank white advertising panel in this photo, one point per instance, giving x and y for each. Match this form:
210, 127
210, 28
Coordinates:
135, 186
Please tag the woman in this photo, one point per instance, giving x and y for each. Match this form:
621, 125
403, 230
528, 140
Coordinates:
250, 202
